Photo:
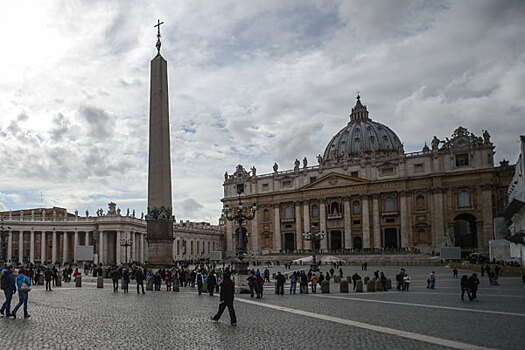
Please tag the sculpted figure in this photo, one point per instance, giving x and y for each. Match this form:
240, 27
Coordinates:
226, 176
305, 162
87, 213
435, 143
275, 167
486, 137
254, 171
296, 164
319, 159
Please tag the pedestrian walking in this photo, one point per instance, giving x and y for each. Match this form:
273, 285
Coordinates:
9, 288
465, 287
293, 283
406, 282
125, 280
482, 270
355, 278
139, 277
431, 281
474, 282
226, 299
23, 285
199, 280
455, 273
280, 283
48, 275
212, 280
251, 282
314, 281
115, 276
259, 284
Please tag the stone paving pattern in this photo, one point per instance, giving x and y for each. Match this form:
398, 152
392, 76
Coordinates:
87, 317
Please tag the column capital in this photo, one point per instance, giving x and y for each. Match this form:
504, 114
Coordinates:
306, 202
346, 198
403, 193
364, 196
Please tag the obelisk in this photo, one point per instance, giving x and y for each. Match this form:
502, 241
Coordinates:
159, 218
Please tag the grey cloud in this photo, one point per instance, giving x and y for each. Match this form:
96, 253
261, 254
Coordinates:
100, 124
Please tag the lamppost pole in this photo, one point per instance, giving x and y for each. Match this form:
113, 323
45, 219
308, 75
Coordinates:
240, 217
126, 242
314, 238
3, 234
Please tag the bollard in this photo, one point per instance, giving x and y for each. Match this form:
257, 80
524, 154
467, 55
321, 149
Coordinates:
349, 279
149, 285
41, 280
359, 286
100, 282
176, 286
388, 284
78, 281
59, 279
371, 286
337, 279
343, 287
325, 287
367, 279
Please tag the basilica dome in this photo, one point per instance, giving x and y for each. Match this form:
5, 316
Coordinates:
361, 135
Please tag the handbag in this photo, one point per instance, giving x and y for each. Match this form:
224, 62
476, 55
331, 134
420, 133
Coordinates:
24, 288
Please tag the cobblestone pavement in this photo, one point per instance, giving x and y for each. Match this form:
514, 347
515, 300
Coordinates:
88, 317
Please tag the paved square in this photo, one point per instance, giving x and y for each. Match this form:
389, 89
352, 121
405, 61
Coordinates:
88, 317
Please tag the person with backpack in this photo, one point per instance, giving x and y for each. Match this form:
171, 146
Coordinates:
293, 283
279, 279
23, 283
139, 278
9, 288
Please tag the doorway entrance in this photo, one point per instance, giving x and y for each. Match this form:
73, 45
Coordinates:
336, 240
289, 242
391, 238
465, 232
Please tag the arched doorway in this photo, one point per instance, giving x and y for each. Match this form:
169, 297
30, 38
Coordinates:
289, 242
336, 240
465, 232
358, 243
391, 238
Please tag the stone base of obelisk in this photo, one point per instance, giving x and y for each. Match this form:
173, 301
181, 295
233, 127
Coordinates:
241, 277
160, 252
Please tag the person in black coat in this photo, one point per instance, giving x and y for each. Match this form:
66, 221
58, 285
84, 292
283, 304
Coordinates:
280, 283
474, 282
115, 276
226, 300
139, 277
48, 274
212, 280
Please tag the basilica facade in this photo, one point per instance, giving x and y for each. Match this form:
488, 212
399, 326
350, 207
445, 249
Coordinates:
367, 193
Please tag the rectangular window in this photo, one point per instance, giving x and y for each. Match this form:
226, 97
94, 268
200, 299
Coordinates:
354, 173
463, 199
265, 187
288, 226
357, 222
419, 167
313, 178
178, 247
390, 220
287, 184
198, 246
462, 159
191, 247
387, 171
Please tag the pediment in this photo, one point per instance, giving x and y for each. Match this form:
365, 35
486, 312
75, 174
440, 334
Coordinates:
334, 180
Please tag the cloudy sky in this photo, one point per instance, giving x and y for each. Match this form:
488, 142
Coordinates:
250, 82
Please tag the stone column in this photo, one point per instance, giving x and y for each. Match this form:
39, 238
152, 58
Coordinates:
118, 251
65, 247
32, 247
10, 246
366, 222
439, 219
132, 247
21, 246
43, 247
54, 248
141, 254
488, 220
298, 227
230, 240
322, 219
277, 241
404, 220
375, 223
76, 243
254, 233
101, 247
348, 223
306, 226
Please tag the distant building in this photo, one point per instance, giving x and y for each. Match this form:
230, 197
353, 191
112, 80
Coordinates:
515, 211
367, 193
51, 235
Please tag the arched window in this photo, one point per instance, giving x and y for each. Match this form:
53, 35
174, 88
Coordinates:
389, 204
357, 207
265, 214
288, 213
463, 199
315, 211
420, 202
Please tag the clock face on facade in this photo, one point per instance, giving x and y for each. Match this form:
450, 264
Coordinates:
461, 142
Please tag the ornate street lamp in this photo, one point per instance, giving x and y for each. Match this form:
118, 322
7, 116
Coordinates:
240, 217
126, 242
4, 233
315, 238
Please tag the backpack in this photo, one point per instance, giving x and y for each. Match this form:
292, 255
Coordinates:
5, 281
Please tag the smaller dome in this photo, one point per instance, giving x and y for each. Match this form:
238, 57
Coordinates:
362, 135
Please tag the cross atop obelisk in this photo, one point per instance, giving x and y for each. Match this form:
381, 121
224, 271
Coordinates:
158, 34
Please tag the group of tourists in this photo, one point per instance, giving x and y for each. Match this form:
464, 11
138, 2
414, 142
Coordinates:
469, 285
11, 285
